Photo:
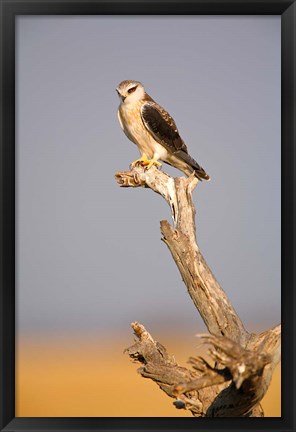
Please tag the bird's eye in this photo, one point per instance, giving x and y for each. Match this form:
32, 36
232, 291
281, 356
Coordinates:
132, 89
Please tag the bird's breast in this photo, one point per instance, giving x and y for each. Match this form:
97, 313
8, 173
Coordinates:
131, 119
134, 128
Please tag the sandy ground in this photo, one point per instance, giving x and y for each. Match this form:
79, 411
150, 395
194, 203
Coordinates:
77, 377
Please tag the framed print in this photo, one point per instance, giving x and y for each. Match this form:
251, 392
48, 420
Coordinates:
99, 99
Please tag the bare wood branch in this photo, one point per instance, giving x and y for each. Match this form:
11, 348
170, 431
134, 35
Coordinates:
267, 342
162, 368
232, 387
243, 362
206, 293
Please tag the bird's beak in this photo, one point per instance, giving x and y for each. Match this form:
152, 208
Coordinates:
120, 95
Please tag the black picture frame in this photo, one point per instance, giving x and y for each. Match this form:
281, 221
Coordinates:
9, 10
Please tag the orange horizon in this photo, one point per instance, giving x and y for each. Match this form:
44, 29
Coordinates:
87, 378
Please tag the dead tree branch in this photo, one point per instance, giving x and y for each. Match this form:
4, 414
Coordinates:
243, 363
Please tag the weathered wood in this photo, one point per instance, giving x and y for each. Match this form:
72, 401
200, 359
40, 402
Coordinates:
206, 293
244, 363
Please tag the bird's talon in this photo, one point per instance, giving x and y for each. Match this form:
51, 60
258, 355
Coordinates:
153, 162
145, 162
142, 161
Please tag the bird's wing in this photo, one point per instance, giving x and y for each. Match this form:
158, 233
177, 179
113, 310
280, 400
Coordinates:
162, 127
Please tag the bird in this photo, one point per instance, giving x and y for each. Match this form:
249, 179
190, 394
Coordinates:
154, 131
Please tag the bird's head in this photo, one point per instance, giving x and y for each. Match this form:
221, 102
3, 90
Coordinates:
130, 91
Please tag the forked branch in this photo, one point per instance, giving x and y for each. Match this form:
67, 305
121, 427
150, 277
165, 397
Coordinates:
243, 363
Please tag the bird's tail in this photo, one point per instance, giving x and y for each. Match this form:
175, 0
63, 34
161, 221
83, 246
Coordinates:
199, 172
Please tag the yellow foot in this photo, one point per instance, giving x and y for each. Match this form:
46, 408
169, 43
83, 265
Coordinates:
153, 162
142, 161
